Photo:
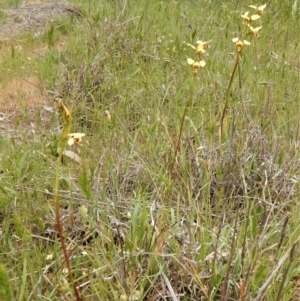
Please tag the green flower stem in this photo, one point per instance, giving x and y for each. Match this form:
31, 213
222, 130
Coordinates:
188, 104
227, 97
63, 141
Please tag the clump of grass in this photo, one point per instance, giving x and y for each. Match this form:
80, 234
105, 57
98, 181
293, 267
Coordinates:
5, 287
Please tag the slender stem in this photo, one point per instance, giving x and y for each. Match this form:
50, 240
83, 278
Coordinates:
64, 137
227, 95
59, 227
188, 103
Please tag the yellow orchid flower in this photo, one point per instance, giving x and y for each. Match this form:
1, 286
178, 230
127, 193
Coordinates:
196, 64
200, 46
240, 44
255, 31
259, 9
75, 138
246, 18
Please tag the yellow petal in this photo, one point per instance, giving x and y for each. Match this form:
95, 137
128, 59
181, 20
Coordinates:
202, 63
246, 42
245, 15
257, 28
259, 9
235, 40
255, 17
262, 7
202, 44
192, 46
190, 61
70, 141
76, 135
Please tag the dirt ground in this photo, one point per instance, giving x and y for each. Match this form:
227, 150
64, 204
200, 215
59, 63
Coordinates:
19, 93
31, 17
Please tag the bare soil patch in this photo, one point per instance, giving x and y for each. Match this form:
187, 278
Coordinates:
29, 93
32, 17
19, 95
25, 91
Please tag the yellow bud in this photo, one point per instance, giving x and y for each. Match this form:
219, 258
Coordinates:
123, 298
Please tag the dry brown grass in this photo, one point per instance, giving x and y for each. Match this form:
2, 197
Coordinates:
22, 91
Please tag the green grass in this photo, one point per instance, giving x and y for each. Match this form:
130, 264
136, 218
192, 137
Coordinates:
224, 220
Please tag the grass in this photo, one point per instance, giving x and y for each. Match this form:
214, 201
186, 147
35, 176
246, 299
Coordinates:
218, 221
